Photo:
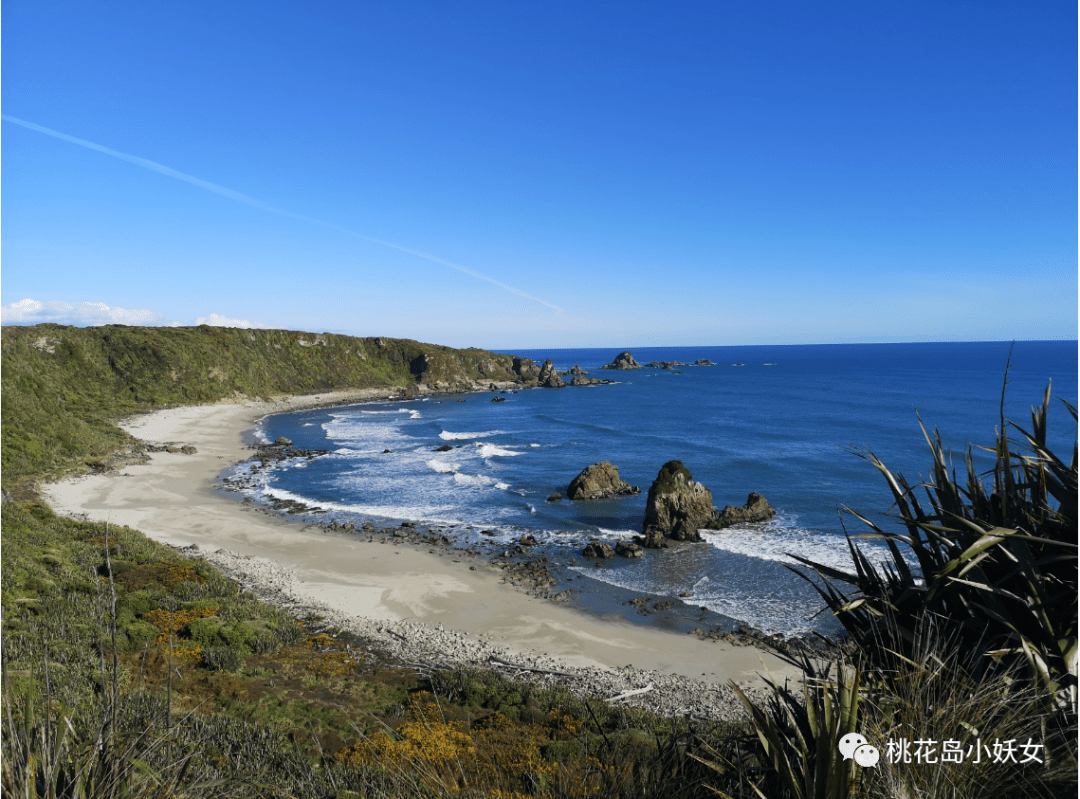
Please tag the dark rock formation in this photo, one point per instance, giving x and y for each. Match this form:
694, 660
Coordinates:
665, 364
599, 481
576, 372
549, 378
555, 498
497, 399
756, 509
419, 365
624, 360
627, 549
652, 539
526, 369
677, 507
281, 441
597, 549
704, 362
443, 448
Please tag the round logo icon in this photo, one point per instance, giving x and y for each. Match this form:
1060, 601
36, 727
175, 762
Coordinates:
867, 756
849, 743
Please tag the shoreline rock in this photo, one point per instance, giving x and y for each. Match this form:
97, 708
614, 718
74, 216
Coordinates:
756, 509
599, 481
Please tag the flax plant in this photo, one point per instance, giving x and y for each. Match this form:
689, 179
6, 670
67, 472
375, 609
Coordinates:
799, 731
997, 565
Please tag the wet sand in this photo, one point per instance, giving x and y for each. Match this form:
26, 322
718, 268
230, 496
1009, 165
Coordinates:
173, 499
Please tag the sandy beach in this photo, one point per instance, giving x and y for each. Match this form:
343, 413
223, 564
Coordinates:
172, 499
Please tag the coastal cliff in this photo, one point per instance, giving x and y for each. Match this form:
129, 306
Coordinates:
63, 387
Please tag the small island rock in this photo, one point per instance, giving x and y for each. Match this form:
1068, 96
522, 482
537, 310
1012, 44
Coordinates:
598, 481
624, 360
756, 509
677, 507
577, 371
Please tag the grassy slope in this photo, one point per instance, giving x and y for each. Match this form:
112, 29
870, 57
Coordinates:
64, 386
261, 683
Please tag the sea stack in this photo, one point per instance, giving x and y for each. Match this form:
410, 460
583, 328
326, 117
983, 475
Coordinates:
548, 377
677, 507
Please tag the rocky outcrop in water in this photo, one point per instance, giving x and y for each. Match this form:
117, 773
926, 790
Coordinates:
598, 549
624, 360
548, 377
756, 509
599, 481
677, 507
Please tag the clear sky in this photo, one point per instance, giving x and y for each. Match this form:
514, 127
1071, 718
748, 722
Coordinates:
545, 174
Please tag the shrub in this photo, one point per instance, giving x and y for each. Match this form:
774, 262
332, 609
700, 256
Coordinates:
221, 658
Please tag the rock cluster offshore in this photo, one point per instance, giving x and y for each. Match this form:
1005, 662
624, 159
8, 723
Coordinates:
677, 508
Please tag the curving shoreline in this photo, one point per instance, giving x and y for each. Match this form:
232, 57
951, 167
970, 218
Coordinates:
425, 609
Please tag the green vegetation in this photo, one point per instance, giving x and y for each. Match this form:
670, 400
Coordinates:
669, 473
129, 670
64, 387
980, 646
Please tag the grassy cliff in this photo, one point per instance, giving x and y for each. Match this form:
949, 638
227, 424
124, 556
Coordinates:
63, 387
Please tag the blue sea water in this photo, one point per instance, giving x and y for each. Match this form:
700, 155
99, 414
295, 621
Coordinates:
779, 420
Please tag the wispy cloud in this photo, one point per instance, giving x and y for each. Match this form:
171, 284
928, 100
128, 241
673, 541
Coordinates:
255, 203
217, 320
32, 312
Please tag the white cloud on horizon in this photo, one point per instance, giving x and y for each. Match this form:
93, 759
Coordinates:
87, 314
217, 320
92, 314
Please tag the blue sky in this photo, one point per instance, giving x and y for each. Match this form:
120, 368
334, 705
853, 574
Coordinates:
549, 174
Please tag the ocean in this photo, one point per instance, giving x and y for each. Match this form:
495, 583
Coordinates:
778, 420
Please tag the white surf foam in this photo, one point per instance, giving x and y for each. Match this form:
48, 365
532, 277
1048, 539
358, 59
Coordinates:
443, 467
473, 479
780, 544
492, 451
446, 435
426, 514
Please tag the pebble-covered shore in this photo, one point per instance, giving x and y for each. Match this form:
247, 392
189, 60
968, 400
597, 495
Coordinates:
429, 647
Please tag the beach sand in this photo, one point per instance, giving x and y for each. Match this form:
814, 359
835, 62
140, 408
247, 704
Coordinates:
172, 499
